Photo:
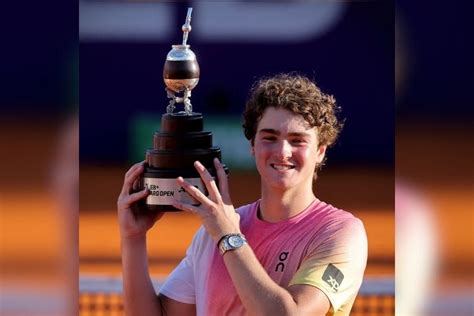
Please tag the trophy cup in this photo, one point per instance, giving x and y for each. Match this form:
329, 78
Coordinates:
181, 139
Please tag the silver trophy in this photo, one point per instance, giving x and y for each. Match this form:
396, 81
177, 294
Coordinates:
181, 139
181, 71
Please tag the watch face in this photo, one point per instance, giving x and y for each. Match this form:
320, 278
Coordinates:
236, 241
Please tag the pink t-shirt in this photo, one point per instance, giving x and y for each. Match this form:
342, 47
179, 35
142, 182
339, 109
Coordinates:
322, 246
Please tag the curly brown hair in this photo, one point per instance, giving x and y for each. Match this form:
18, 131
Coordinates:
299, 95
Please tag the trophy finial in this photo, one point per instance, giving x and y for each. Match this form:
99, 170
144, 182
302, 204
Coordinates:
187, 26
181, 71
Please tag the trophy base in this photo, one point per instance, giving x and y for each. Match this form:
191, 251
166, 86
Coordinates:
164, 188
156, 208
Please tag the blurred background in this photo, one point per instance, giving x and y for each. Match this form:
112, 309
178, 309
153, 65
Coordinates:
421, 82
434, 155
39, 171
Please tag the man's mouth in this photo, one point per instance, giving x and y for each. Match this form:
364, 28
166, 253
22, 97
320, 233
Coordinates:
281, 167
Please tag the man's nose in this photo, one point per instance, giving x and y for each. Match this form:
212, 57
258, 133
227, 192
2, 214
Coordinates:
284, 149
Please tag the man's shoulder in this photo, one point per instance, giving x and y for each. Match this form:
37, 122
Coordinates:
337, 218
324, 209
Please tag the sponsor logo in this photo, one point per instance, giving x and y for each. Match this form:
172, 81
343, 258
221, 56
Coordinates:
155, 190
281, 265
333, 276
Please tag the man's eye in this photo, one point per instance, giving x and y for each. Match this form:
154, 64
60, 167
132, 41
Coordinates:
298, 141
270, 138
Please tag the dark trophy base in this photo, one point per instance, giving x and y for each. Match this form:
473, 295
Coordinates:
179, 143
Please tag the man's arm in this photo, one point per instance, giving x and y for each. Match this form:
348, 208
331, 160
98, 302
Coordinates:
139, 297
262, 296
138, 293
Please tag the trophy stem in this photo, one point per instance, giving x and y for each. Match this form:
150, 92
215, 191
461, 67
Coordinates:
188, 108
170, 94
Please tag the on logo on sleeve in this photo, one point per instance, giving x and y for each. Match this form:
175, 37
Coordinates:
333, 276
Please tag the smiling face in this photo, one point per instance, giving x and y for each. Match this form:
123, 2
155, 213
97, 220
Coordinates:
286, 150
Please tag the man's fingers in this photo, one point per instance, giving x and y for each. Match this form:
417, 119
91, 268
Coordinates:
194, 192
134, 168
136, 185
223, 182
132, 175
134, 197
126, 201
208, 180
186, 207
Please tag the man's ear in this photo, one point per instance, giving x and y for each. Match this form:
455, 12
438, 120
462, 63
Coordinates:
252, 147
321, 153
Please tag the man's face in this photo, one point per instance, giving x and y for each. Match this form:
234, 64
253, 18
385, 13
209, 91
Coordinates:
286, 150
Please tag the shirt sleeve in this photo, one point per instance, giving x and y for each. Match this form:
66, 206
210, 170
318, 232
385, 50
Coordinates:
335, 264
180, 284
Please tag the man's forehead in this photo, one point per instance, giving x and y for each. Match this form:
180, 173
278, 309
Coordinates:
283, 121
295, 132
292, 130
296, 123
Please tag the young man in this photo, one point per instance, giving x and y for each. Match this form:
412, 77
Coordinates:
287, 253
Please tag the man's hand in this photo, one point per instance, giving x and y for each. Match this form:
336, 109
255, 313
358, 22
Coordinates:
134, 224
216, 210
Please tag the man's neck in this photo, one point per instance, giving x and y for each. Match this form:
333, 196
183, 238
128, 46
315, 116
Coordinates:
278, 205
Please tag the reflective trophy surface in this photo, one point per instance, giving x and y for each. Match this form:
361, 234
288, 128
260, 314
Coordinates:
181, 139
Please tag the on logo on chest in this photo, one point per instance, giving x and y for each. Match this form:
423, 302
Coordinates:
282, 261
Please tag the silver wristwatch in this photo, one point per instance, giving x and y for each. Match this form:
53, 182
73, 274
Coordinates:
231, 242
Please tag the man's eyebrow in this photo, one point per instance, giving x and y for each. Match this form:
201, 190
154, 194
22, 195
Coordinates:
276, 132
269, 130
